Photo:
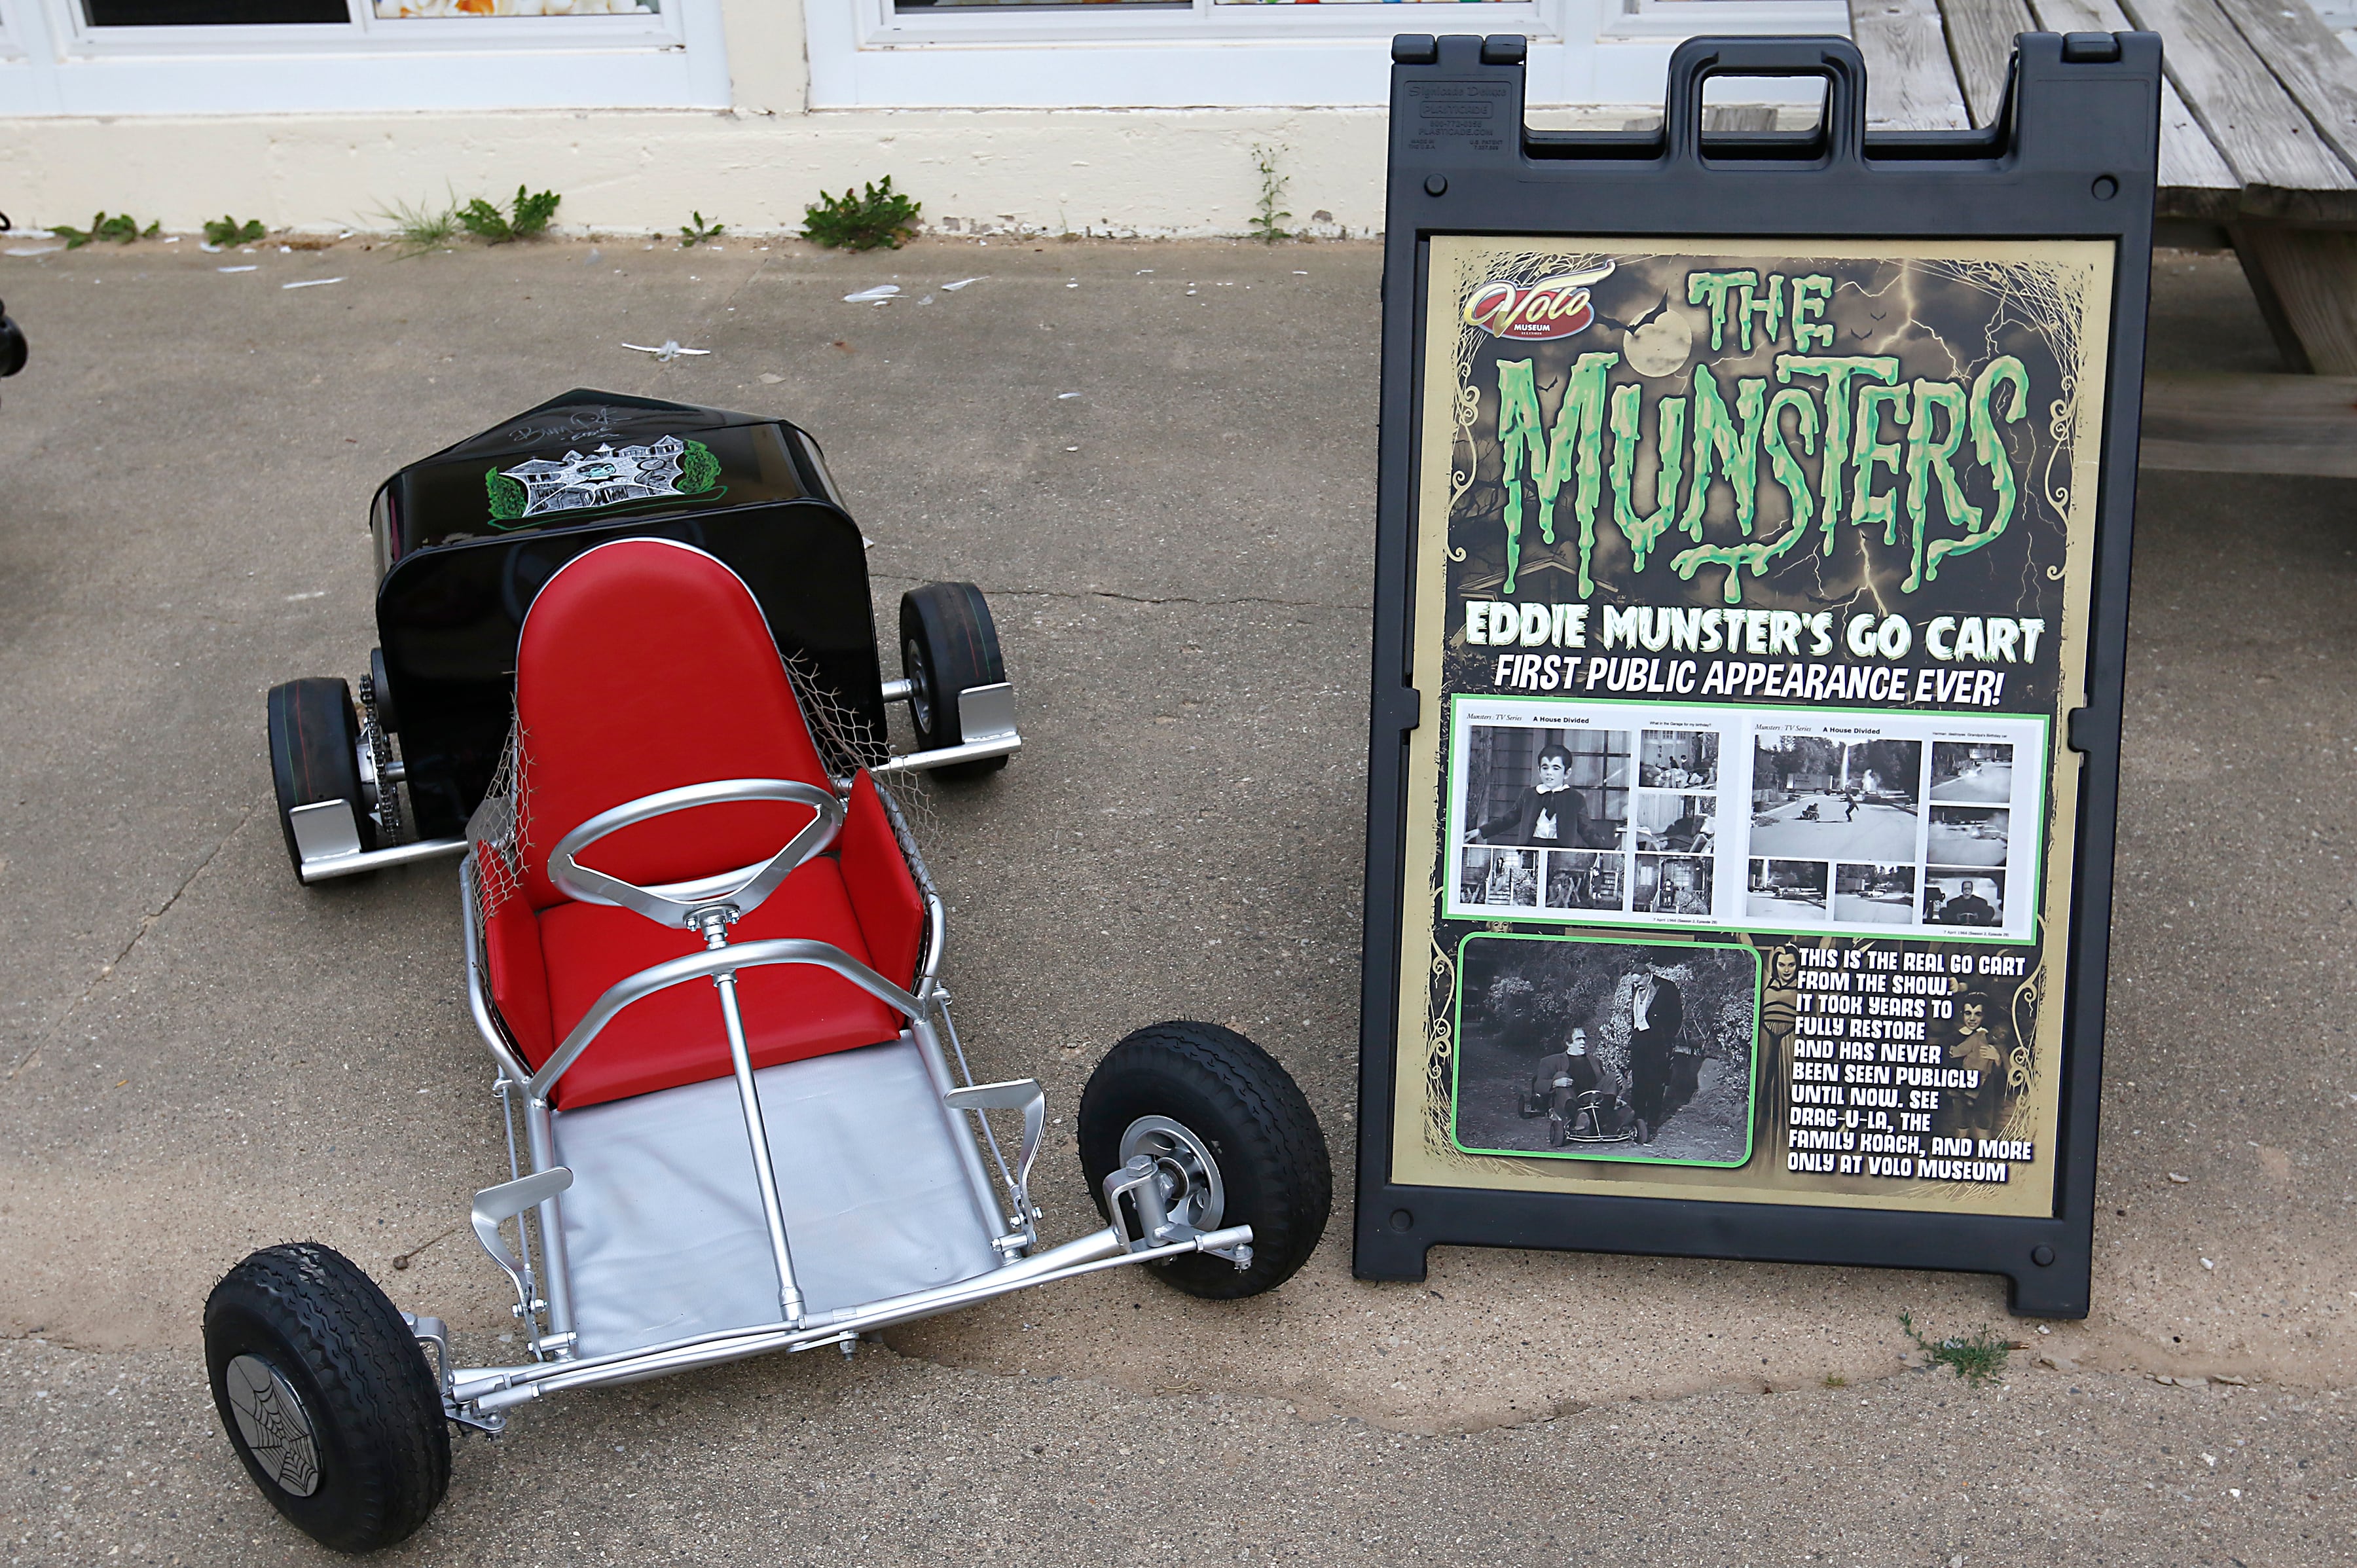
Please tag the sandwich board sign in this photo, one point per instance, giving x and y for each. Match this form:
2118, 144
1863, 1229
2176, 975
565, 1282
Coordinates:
1750, 602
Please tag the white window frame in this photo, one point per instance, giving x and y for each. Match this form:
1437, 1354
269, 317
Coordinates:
865, 53
60, 65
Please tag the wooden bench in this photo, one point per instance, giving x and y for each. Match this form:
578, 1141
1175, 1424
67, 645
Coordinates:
2258, 152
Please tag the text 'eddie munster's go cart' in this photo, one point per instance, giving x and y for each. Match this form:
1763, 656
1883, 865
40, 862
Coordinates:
629, 663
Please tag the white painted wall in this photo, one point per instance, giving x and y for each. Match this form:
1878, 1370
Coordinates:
1147, 173
754, 166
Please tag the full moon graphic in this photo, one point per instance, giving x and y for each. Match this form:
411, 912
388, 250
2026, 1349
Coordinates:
1659, 345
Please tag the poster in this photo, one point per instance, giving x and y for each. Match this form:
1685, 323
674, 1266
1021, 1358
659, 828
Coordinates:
1752, 588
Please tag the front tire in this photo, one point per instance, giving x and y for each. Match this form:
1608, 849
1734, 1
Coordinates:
948, 643
1208, 1096
315, 739
326, 1397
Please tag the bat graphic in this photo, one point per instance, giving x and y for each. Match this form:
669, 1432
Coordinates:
1642, 320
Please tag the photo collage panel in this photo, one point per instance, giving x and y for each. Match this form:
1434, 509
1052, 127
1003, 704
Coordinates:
1579, 811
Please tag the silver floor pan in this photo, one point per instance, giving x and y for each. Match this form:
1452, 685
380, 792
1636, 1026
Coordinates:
663, 1220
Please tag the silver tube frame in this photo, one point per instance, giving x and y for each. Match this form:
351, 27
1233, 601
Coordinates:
379, 859
488, 1389
714, 962
477, 1394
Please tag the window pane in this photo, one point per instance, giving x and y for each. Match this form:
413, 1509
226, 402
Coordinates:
210, 12
1068, 4
392, 10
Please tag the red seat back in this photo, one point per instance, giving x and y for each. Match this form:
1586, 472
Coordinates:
645, 665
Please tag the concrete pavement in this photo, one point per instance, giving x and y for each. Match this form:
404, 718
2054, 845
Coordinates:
202, 1058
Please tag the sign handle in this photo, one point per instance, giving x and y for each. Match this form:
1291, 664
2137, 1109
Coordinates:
1837, 60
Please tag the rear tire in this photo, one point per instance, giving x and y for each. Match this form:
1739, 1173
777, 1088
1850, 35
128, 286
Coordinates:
326, 1397
315, 739
1245, 1110
948, 643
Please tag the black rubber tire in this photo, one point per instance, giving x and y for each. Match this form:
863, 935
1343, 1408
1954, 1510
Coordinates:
315, 739
369, 1395
948, 643
13, 350
1250, 1113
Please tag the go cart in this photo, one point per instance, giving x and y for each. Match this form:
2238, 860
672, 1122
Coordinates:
1593, 1116
704, 955
466, 539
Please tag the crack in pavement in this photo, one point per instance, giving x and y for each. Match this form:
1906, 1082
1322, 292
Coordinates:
146, 923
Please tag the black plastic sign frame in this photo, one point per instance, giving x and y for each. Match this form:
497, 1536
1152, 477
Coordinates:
1752, 594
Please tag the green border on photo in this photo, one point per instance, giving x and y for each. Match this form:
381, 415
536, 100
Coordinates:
1621, 940
1453, 825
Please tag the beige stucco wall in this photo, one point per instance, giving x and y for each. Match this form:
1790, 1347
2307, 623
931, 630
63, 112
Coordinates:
1147, 172
754, 166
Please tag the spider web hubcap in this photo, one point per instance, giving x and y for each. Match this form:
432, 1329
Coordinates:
272, 1424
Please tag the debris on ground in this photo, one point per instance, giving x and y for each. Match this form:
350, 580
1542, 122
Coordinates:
669, 350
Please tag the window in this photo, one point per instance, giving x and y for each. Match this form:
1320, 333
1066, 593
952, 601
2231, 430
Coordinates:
1228, 53
180, 57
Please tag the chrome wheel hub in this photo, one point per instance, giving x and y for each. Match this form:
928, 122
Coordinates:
921, 685
1184, 1169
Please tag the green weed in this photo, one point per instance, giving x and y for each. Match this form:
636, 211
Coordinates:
881, 216
526, 216
694, 233
1977, 1358
121, 228
420, 229
1266, 222
227, 231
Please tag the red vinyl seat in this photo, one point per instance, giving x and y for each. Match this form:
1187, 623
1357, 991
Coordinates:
646, 665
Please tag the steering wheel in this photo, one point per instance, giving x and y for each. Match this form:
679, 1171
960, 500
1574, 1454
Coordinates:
674, 903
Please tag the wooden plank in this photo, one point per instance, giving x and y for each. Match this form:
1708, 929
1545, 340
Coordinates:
1910, 81
2314, 66
1980, 40
2189, 162
2265, 139
2251, 424
2306, 280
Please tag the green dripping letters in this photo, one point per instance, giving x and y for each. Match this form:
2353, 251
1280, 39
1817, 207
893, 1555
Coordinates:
1902, 457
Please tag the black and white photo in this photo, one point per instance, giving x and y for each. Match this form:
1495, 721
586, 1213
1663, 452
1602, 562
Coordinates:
1972, 773
1968, 835
1606, 1050
1874, 895
1498, 877
1683, 824
1585, 879
1672, 885
1678, 759
1782, 890
1818, 796
1958, 895
1534, 788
